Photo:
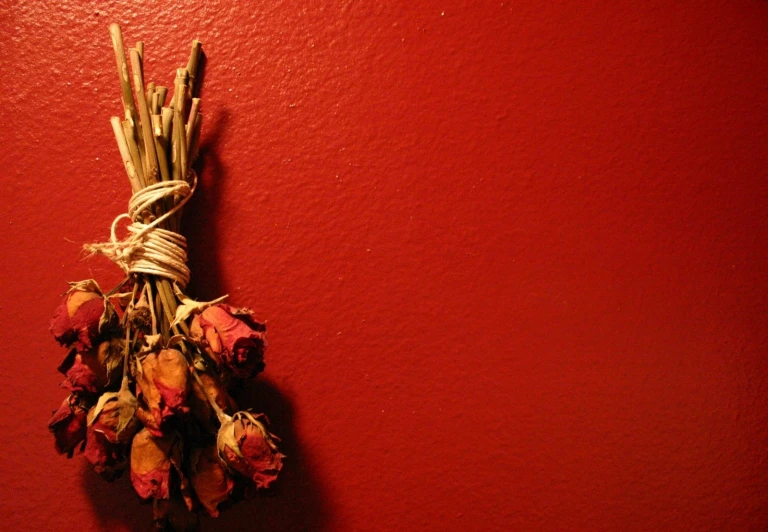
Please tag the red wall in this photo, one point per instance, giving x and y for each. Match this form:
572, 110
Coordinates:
512, 254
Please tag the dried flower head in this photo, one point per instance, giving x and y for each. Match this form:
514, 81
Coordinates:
246, 446
232, 338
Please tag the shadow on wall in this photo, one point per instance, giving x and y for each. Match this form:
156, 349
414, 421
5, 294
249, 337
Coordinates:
297, 501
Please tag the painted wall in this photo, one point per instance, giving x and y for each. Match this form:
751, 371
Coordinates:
512, 254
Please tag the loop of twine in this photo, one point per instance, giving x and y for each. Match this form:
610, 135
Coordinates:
149, 248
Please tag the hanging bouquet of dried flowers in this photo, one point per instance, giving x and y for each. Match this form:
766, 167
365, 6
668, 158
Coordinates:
148, 368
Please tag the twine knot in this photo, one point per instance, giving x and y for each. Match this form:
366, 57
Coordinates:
149, 248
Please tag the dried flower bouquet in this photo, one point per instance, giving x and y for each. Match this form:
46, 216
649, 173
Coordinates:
148, 368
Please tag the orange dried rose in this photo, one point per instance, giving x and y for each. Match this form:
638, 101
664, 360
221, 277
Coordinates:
246, 446
151, 465
209, 479
162, 383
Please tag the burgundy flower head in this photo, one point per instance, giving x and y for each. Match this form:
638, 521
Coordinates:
76, 321
68, 425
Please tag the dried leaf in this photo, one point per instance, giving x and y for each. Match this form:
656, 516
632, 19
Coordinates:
189, 306
226, 437
88, 285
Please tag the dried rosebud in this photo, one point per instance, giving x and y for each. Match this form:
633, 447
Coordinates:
162, 383
76, 321
151, 465
68, 425
210, 479
140, 317
245, 445
232, 338
199, 404
110, 358
109, 459
84, 373
114, 415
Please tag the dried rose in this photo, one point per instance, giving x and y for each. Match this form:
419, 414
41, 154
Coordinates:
151, 465
198, 400
109, 459
84, 373
162, 383
114, 415
68, 425
77, 320
210, 479
249, 448
232, 337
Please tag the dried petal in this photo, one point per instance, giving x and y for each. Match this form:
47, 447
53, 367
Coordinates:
210, 479
68, 425
151, 465
162, 385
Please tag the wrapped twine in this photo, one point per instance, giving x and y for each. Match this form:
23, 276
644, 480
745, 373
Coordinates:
148, 248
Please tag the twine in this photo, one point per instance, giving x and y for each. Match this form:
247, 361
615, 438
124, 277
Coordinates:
149, 248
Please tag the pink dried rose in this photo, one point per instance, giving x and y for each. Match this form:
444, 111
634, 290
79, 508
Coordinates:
246, 446
76, 321
162, 383
209, 479
151, 465
68, 425
232, 338
108, 458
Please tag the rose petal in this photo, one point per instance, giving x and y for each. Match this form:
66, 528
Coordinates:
210, 480
151, 465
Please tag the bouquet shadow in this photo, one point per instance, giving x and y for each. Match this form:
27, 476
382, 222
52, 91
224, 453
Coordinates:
295, 503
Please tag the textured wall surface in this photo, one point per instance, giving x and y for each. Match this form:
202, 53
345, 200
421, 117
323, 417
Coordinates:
512, 254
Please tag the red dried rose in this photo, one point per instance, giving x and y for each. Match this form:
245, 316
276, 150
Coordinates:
84, 373
68, 425
109, 459
210, 479
232, 337
76, 321
245, 445
162, 382
151, 465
